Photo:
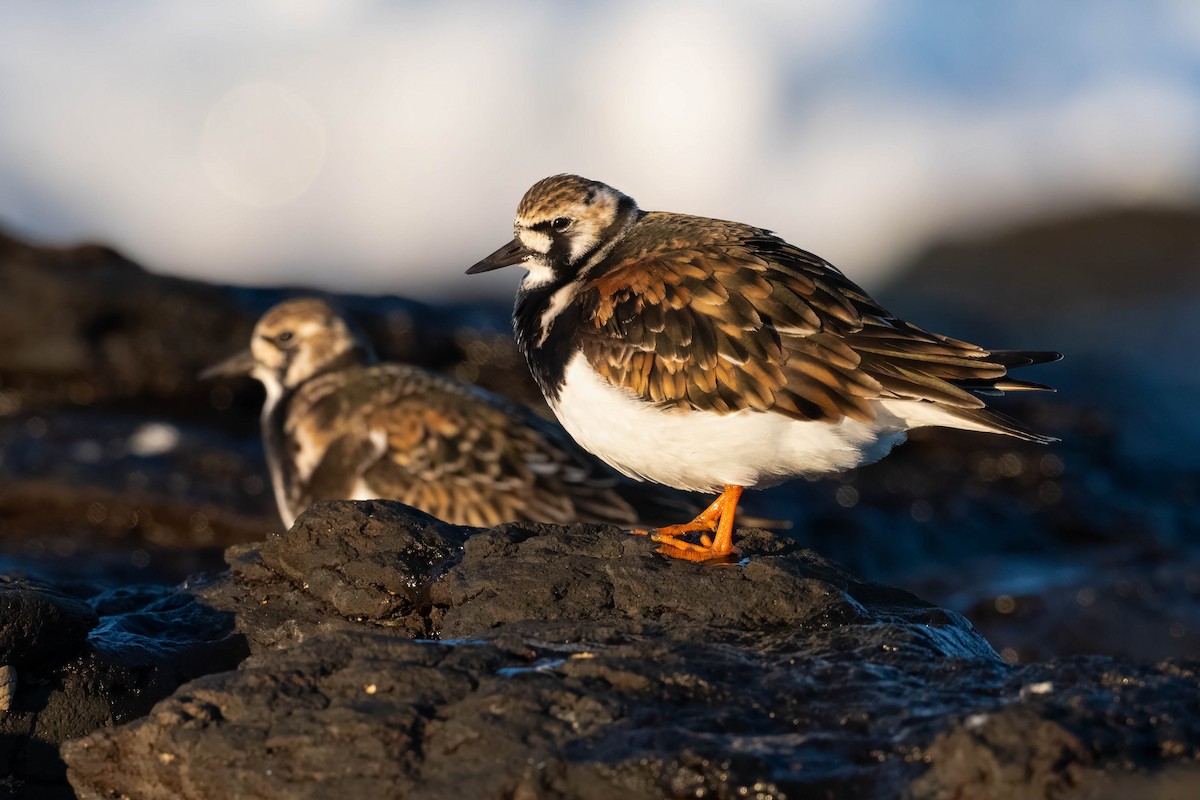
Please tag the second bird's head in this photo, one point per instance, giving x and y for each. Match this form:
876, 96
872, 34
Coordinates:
292, 342
564, 224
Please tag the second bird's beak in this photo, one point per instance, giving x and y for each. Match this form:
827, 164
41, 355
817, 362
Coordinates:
512, 253
239, 364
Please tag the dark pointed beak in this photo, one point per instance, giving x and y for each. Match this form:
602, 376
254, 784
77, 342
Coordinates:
512, 253
240, 364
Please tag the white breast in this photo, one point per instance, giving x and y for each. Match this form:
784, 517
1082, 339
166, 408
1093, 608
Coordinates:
702, 451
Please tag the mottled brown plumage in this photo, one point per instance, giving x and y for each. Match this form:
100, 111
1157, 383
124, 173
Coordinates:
722, 317
337, 427
401, 433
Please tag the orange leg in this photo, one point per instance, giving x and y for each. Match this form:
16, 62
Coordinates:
717, 518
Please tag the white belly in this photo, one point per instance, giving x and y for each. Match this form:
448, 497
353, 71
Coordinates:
701, 451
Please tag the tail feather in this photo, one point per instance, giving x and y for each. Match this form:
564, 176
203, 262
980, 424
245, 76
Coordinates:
1010, 360
998, 387
1013, 359
991, 421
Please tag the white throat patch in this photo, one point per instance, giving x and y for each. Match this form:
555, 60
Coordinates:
273, 386
538, 273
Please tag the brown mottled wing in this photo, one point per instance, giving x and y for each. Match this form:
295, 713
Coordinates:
722, 317
461, 455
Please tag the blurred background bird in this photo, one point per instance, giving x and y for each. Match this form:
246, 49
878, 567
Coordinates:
337, 426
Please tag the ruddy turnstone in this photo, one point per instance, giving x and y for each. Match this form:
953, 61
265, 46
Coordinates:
336, 426
714, 356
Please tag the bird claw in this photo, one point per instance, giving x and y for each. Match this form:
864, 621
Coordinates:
674, 531
676, 548
715, 526
669, 538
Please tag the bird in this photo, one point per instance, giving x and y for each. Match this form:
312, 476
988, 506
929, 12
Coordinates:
713, 356
338, 425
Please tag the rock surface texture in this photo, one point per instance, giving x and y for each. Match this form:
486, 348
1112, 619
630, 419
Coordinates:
69, 666
395, 656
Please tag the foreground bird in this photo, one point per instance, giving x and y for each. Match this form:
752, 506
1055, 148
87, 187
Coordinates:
714, 356
336, 426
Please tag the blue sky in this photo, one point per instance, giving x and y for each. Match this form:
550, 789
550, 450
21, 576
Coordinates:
382, 146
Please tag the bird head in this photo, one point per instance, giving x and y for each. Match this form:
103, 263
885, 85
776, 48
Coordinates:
564, 224
294, 341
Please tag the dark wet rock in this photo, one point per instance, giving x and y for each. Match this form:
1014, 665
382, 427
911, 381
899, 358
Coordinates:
1172, 783
576, 662
40, 627
602, 575
378, 717
1036, 268
1009, 753
341, 563
369, 561
83, 326
82, 665
386, 565
1070, 724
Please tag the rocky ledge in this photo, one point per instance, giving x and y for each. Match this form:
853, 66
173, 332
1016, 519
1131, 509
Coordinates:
394, 656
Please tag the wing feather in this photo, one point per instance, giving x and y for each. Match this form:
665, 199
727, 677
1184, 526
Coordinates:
460, 454
721, 317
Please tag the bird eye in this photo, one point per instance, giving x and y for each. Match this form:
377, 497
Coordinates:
283, 336
561, 223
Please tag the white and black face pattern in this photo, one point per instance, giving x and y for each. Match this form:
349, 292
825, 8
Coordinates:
565, 226
564, 223
297, 339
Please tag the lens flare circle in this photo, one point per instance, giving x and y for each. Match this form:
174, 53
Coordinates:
263, 145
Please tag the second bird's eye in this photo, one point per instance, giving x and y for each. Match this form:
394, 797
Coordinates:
561, 223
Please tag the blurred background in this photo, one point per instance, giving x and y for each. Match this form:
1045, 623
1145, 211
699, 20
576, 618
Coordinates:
381, 146
1023, 174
